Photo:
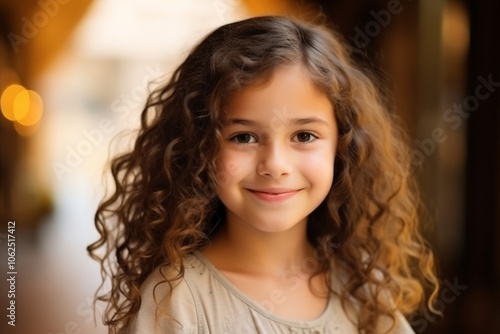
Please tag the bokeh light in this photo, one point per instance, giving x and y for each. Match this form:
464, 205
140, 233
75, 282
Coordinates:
7, 100
30, 108
22, 106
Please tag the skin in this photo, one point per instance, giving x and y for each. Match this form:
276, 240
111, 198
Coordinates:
279, 138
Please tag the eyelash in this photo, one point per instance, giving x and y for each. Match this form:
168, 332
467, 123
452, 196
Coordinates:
234, 138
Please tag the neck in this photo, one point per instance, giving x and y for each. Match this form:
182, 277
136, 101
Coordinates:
249, 250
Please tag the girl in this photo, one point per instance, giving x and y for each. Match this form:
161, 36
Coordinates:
266, 193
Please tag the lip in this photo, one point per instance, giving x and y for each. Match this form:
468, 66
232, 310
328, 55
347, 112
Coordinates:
274, 194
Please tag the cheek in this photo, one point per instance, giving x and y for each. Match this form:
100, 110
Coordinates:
319, 167
231, 165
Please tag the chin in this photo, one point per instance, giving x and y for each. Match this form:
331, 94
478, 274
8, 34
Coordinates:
275, 227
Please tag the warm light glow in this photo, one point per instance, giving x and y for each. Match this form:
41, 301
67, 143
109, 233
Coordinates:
455, 29
31, 108
7, 100
21, 105
25, 131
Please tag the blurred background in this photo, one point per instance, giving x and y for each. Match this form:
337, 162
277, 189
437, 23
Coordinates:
74, 74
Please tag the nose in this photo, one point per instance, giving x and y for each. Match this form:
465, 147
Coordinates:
274, 161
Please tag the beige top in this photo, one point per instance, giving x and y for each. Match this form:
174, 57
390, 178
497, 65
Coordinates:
204, 301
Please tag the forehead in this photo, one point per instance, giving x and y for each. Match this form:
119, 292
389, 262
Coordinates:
289, 93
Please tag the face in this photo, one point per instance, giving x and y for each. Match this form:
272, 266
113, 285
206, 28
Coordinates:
276, 163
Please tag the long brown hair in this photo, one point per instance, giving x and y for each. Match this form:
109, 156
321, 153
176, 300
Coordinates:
164, 203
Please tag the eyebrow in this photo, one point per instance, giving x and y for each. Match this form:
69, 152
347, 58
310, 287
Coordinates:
289, 121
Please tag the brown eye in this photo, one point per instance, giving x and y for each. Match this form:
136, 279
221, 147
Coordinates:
243, 138
305, 137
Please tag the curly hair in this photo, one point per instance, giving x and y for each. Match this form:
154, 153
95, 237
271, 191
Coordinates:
164, 204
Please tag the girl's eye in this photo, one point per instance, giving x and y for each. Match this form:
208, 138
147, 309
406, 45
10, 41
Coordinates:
243, 138
305, 137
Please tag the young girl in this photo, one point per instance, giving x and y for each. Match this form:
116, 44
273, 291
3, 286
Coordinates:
266, 193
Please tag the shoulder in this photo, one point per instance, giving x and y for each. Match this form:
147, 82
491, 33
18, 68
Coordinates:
166, 308
397, 324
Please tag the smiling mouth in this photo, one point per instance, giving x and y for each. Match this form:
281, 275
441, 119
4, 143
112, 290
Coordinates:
274, 192
274, 195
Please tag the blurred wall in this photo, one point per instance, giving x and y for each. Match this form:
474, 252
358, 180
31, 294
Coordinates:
479, 264
33, 33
